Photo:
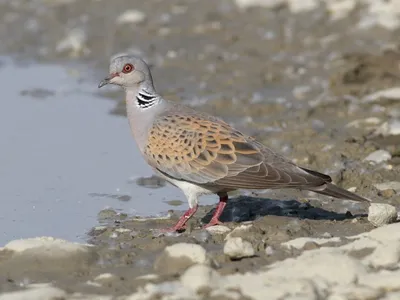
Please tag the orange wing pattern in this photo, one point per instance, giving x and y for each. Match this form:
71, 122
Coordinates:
205, 150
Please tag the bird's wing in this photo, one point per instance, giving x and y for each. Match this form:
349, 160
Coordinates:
205, 150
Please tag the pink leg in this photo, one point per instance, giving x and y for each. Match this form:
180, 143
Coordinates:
180, 225
223, 199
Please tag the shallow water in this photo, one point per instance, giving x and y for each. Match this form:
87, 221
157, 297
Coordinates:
64, 157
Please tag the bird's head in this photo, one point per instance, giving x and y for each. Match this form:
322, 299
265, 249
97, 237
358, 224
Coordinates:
127, 71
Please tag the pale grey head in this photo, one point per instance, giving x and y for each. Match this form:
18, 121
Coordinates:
143, 104
128, 71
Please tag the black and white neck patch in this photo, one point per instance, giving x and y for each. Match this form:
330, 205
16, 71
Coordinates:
145, 99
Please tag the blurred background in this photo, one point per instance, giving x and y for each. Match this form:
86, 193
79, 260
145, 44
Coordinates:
316, 80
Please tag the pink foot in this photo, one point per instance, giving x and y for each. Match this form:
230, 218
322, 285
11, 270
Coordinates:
213, 222
223, 198
181, 224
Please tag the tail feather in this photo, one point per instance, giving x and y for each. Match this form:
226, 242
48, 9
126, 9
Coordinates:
337, 192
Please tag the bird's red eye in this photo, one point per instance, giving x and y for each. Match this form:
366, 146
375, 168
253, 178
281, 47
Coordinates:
127, 68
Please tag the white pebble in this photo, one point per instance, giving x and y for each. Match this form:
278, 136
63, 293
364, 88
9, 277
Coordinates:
172, 54
383, 279
238, 231
131, 17
352, 189
364, 123
262, 3
340, 9
391, 185
41, 292
391, 94
301, 91
105, 276
380, 214
238, 248
122, 230
196, 253
45, 245
299, 243
378, 156
218, 229
386, 255
391, 127
200, 276
381, 13
296, 6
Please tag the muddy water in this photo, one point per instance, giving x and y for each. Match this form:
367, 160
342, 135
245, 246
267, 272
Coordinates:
64, 157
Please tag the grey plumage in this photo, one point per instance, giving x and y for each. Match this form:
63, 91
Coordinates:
200, 153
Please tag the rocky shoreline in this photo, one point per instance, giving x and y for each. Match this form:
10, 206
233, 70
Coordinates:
362, 266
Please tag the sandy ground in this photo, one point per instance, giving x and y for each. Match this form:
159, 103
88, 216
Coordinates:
302, 82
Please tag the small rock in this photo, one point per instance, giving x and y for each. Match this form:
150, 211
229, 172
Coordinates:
122, 230
378, 156
390, 296
237, 248
239, 231
382, 14
383, 279
343, 269
391, 185
311, 245
301, 243
386, 255
148, 277
132, 16
340, 9
390, 94
380, 214
53, 246
41, 292
300, 92
386, 233
327, 235
261, 3
318, 125
364, 123
296, 6
218, 229
180, 256
389, 193
95, 231
354, 292
391, 127
107, 214
105, 278
198, 277
47, 254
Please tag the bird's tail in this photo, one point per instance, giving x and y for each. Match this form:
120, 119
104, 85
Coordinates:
337, 192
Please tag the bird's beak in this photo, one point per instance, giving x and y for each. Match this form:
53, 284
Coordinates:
107, 80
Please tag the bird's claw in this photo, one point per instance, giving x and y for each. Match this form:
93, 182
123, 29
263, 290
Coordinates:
213, 222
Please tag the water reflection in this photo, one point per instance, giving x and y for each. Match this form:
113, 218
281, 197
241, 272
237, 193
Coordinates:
64, 157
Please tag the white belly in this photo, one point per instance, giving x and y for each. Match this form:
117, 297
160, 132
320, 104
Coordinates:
191, 191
